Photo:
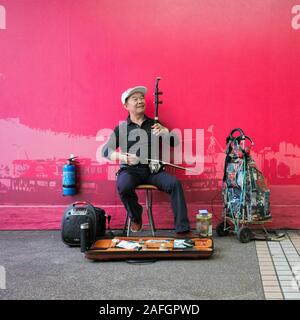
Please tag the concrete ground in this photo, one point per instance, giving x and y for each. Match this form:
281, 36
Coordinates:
38, 265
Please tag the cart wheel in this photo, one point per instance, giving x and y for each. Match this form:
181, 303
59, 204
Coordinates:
220, 229
244, 234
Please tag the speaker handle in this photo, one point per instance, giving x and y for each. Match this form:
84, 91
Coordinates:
80, 202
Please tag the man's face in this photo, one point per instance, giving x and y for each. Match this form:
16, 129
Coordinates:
135, 104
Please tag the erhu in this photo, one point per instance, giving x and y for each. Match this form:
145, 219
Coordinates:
155, 164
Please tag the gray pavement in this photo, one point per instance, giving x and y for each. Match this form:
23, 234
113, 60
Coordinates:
39, 266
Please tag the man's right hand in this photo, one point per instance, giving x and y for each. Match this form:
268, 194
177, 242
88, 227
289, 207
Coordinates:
130, 159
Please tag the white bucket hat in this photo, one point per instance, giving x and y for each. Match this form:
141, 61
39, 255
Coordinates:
131, 91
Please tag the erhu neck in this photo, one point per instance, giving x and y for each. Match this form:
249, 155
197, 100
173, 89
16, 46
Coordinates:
157, 102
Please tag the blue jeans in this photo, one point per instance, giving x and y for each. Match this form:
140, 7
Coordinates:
130, 177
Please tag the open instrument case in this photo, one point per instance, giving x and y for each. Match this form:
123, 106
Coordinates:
124, 248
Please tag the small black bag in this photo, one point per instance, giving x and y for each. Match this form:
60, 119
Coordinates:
83, 212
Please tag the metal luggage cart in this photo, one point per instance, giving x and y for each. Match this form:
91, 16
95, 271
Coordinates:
245, 230
246, 196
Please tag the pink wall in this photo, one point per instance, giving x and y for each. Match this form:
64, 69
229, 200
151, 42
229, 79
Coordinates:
223, 63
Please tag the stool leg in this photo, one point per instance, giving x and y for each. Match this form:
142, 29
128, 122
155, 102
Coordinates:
149, 210
128, 226
125, 225
152, 219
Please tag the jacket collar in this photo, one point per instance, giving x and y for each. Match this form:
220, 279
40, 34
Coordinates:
129, 122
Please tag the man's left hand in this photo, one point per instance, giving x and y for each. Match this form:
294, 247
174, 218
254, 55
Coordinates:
159, 129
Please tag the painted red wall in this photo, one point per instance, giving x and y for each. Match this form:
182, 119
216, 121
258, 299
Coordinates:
223, 63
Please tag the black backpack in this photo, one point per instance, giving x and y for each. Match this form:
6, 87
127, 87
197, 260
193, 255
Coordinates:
82, 212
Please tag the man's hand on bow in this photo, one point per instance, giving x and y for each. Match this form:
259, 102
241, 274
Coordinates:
130, 159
